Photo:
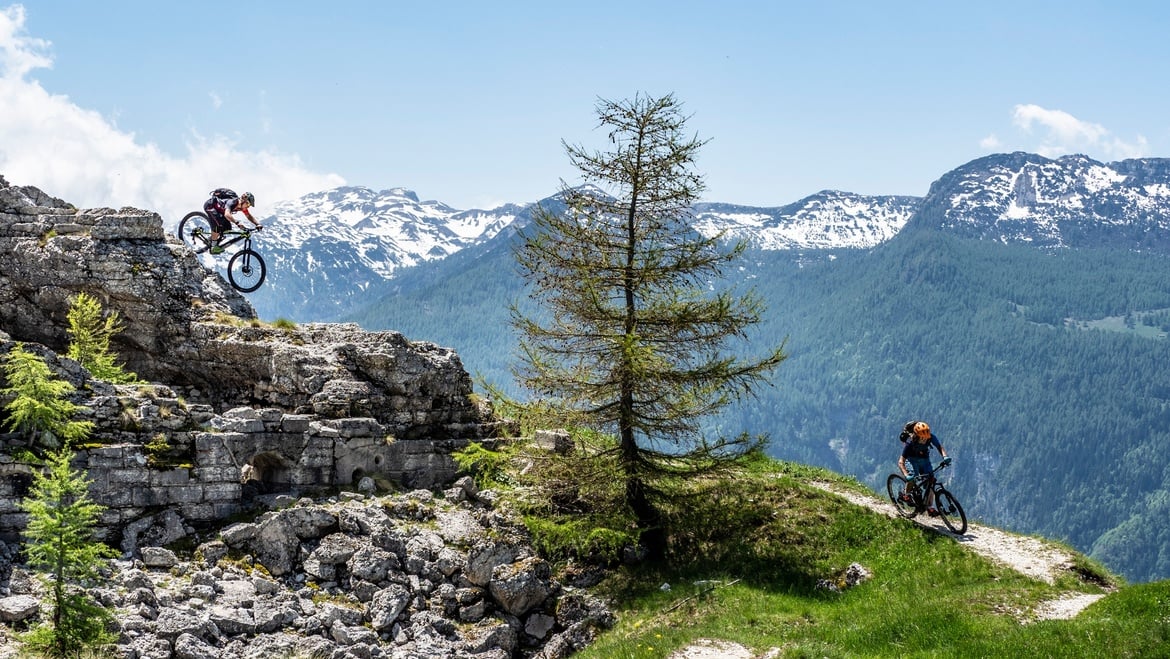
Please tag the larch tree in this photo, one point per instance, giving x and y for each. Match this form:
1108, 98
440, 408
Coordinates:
39, 408
89, 339
59, 536
631, 327
60, 543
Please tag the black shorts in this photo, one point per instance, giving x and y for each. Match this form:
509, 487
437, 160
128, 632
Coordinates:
219, 223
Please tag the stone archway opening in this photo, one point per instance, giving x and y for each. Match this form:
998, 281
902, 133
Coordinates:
267, 473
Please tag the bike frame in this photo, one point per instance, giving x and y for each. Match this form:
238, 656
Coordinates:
924, 484
237, 235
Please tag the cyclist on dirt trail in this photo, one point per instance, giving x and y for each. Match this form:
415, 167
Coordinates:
915, 458
220, 208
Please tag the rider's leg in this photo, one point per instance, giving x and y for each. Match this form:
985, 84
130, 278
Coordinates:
216, 219
219, 224
925, 472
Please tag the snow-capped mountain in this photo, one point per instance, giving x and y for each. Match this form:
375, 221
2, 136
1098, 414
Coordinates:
327, 249
1072, 201
387, 230
827, 220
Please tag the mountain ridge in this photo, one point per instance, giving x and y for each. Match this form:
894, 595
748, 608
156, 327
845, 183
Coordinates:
332, 249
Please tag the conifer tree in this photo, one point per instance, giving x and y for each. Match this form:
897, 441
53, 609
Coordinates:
633, 321
40, 408
59, 541
89, 339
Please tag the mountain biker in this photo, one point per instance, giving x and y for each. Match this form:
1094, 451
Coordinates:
220, 208
916, 453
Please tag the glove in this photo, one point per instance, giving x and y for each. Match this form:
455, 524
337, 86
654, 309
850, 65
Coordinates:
945, 461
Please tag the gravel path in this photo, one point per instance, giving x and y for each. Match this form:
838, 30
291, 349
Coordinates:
1031, 557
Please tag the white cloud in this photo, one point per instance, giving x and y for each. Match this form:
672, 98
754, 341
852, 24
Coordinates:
80, 156
991, 143
19, 53
216, 100
1062, 133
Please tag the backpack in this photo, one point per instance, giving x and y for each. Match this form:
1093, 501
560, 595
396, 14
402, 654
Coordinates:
224, 194
907, 432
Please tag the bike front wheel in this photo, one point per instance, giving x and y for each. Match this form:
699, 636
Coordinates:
950, 511
903, 502
246, 271
195, 231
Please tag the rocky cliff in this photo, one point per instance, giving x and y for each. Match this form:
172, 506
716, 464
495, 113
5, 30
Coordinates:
234, 414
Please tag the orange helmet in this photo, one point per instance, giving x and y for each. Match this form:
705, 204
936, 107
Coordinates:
922, 430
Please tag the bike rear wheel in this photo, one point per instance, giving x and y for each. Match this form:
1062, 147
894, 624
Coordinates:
246, 271
950, 511
195, 231
903, 502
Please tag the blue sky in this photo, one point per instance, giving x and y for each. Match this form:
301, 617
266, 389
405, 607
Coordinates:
152, 104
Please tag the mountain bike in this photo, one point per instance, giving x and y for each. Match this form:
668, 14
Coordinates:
909, 497
246, 270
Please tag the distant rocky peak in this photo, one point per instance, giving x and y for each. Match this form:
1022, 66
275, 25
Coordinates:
1072, 201
401, 192
827, 220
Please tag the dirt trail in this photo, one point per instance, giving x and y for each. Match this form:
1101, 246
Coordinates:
1029, 556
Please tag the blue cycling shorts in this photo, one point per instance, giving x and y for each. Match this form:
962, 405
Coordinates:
920, 466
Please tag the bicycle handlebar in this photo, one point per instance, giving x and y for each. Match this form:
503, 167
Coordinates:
942, 465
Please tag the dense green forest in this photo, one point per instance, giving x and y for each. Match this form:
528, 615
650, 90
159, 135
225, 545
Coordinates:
1042, 372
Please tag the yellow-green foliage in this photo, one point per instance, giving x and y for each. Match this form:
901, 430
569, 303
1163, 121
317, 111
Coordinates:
40, 408
89, 339
156, 448
489, 468
588, 538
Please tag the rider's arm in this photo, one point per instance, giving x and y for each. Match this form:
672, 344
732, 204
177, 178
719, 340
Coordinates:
227, 212
250, 218
902, 465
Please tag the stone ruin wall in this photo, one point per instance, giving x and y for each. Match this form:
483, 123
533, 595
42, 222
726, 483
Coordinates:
215, 466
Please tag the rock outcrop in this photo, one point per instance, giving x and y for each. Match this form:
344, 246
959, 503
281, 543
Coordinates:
234, 415
236, 406
186, 327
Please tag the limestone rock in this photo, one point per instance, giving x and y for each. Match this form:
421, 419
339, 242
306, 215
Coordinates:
15, 608
522, 585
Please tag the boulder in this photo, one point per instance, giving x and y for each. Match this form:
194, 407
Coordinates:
522, 585
15, 608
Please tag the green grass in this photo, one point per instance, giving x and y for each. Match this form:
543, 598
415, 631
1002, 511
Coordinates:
768, 537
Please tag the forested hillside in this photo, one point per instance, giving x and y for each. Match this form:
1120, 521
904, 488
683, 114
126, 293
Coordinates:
1058, 428
1042, 371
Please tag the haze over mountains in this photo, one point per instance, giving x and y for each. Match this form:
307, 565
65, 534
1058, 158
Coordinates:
1021, 306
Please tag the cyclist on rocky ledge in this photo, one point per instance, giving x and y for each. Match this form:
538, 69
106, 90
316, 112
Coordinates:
220, 209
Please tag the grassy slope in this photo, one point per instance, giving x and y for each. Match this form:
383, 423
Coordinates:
928, 596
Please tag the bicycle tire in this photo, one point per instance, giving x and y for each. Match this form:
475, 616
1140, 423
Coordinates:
895, 487
195, 231
246, 271
950, 511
